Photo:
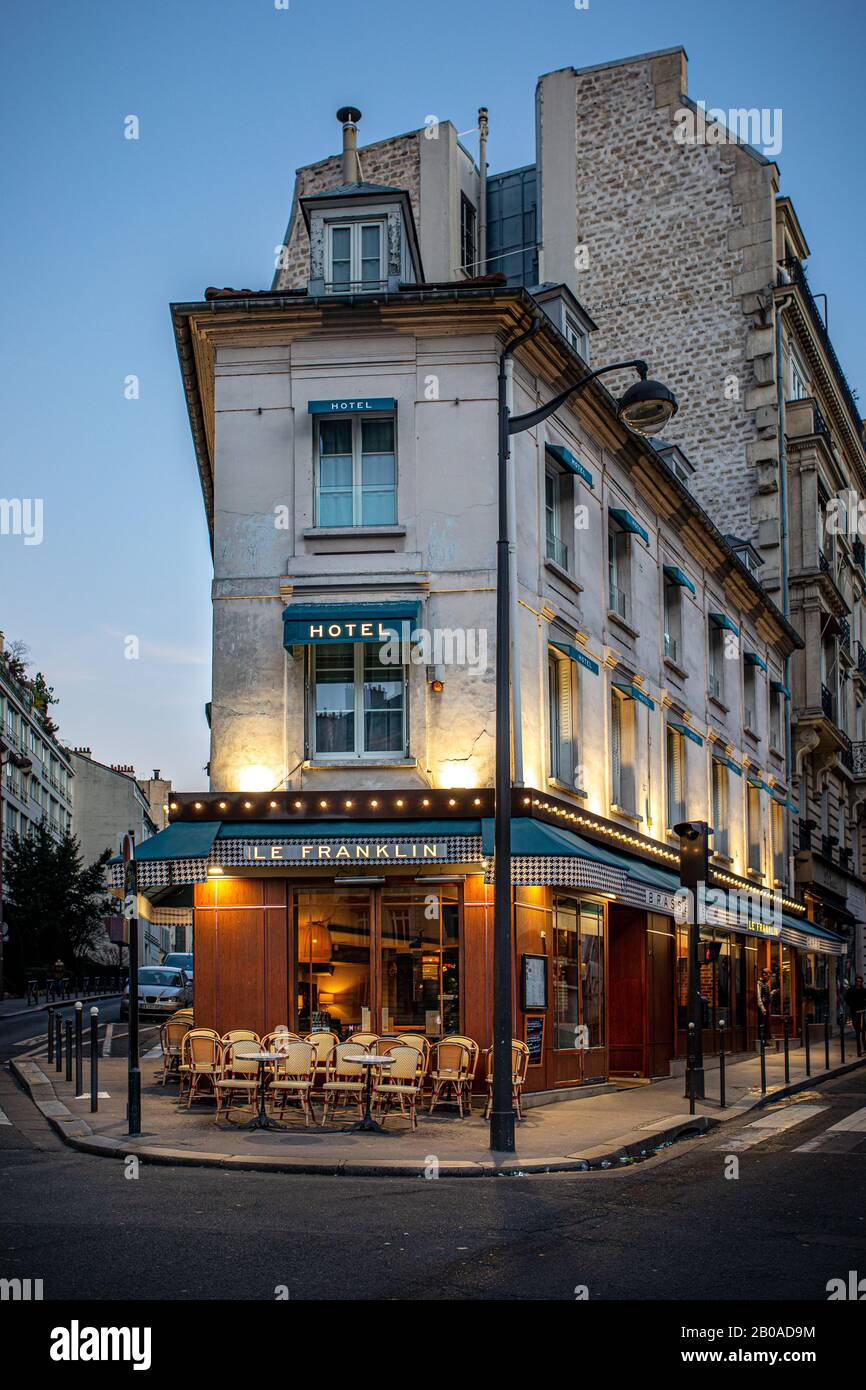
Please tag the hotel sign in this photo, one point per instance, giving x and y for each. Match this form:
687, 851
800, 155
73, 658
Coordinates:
385, 851
355, 406
348, 631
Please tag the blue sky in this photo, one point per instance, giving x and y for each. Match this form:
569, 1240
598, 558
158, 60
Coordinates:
100, 233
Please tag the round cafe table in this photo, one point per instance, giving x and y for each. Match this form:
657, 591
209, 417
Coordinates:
368, 1125
262, 1120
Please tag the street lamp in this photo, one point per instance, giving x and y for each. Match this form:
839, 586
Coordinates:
20, 760
645, 408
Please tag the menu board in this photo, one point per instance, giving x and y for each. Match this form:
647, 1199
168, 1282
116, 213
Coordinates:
533, 1036
533, 982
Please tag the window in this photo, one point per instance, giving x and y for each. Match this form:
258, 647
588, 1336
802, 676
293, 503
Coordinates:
622, 744
468, 240
777, 830
672, 622
358, 704
556, 490
420, 959
332, 949
676, 776
356, 472
777, 720
750, 695
753, 827
619, 572
578, 973
577, 337
355, 257
716, 683
720, 808
562, 702
799, 385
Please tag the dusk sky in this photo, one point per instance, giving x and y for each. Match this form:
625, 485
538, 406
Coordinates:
100, 233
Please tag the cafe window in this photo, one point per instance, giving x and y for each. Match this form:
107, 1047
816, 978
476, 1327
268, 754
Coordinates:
357, 704
332, 950
355, 257
578, 973
420, 959
356, 471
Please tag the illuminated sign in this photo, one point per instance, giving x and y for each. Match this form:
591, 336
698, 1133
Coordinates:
344, 852
374, 631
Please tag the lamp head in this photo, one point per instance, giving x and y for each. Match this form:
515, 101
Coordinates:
647, 406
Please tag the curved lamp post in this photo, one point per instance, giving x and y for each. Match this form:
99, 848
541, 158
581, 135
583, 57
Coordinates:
645, 408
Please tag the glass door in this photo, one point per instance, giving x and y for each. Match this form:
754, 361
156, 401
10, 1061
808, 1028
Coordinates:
420, 955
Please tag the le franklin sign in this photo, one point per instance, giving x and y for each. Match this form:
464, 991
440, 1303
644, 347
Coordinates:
344, 852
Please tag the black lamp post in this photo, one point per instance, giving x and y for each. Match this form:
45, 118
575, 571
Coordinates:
694, 875
645, 408
20, 760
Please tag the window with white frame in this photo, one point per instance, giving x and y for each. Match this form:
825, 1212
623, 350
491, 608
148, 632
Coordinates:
798, 382
676, 776
356, 471
562, 697
355, 256
777, 720
750, 697
777, 831
577, 337
622, 752
720, 775
357, 703
716, 683
673, 621
619, 571
753, 827
558, 511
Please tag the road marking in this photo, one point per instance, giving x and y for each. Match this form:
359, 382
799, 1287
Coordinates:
4, 1118
842, 1137
855, 1121
154, 1052
106, 1042
770, 1125
29, 1042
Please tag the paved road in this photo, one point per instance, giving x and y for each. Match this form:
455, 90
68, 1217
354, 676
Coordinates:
672, 1229
26, 1036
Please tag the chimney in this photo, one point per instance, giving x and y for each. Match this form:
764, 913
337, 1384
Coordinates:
156, 774
350, 116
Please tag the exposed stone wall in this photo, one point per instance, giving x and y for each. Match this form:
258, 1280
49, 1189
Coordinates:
396, 162
679, 248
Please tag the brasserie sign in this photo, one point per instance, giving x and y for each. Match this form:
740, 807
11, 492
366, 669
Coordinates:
345, 852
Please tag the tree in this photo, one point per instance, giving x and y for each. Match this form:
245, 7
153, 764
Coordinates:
54, 903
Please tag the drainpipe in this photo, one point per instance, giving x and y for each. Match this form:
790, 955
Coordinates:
516, 701
483, 127
783, 546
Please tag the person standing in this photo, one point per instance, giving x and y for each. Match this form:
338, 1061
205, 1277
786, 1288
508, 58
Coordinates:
855, 998
763, 1001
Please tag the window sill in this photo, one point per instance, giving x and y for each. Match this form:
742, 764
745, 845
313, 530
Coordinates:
751, 733
630, 816
563, 786
719, 704
562, 574
755, 874
678, 670
719, 858
339, 533
328, 766
621, 622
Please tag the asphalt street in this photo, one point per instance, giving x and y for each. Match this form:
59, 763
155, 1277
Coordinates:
675, 1228
27, 1035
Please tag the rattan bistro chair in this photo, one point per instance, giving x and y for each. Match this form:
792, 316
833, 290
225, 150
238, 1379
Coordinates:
323, 1042
519, 1065
240, 1077
402, 1083
294, 1077
200, 1060
420, 1043
239, 1035
450, 1072
171, 1036
345, 1078
365, 1039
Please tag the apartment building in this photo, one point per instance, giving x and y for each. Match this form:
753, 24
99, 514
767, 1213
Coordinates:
42, 792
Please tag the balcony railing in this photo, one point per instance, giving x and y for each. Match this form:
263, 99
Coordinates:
823, 562
795, 269
845, 634
859, 553
860, 652
557, 551
672, 648
858, 752
714, 685
846, 754
618, 601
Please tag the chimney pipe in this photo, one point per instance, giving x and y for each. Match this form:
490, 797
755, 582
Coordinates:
350, 116
483, 128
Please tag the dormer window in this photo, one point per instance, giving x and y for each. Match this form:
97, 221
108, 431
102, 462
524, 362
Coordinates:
355, 259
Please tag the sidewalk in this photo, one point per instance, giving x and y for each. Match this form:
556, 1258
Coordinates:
600, 1130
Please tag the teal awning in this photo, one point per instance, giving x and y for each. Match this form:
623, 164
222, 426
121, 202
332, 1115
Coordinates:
182, 840
567, 459
722, 620
352, 406
674, 575
628, 522
809, 936
346, 829
687, 732
307, 624
728, 762
752, 659
576, 655
633, 693
779, 688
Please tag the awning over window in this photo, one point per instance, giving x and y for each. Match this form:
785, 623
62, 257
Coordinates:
625, 519
567, 459
632, 692
728, 762
576, 655
722, 620
674, 575
752, 659
809, 936
312, 623
779, 688
687, 733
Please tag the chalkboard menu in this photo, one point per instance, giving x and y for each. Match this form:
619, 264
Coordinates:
533, 1036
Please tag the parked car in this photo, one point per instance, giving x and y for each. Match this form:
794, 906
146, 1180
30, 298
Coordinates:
161, 990
181, 960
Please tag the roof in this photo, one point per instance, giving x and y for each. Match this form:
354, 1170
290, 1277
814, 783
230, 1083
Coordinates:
354, 190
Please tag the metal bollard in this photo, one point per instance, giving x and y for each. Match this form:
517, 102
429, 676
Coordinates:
786, 1029
763, 1067
842, 1041
691, 1064
50, 1032
69, 1049
94, 1058
826, 1044
722, 1096
58, 1049
79, 1048
807, 1043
